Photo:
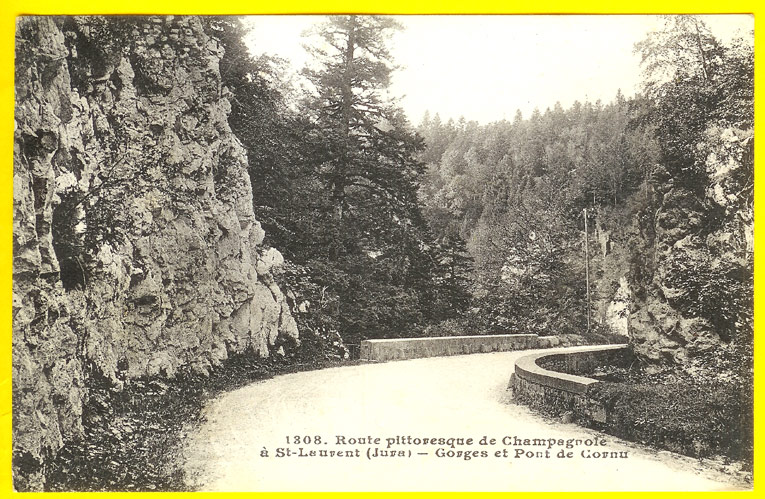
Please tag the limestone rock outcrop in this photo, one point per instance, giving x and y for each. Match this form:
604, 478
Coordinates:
136, 251
672, 268
692, 285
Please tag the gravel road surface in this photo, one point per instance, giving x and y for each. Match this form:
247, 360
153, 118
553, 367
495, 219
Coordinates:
437, 398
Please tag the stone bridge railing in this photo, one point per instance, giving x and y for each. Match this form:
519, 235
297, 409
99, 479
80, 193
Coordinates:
415, 348
559, 392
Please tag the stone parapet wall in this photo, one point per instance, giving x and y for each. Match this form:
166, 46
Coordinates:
559, 392
415, 348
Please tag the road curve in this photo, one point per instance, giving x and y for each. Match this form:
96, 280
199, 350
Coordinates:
461, 396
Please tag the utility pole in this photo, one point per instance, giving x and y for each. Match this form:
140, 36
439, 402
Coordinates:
587, 267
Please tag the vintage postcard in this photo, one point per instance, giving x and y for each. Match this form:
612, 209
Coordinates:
365, 253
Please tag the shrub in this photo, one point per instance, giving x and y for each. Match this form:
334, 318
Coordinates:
451, 327
703, 409
696, 418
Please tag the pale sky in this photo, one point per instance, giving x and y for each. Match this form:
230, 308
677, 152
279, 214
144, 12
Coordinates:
486, 67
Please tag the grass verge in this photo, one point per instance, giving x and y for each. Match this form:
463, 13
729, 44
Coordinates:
133, 437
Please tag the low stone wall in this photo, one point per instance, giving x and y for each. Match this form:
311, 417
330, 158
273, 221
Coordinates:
415, 348
559, 392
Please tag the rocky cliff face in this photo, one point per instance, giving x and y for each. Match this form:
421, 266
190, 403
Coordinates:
674, 266
136, 250
700, 294
691, 260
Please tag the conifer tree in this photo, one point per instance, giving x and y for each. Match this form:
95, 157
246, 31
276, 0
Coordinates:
367, 161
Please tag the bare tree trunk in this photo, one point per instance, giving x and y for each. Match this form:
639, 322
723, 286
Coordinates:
340, 175
701, 51
587, 267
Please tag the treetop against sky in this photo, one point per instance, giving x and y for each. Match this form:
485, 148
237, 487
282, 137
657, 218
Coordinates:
486, 67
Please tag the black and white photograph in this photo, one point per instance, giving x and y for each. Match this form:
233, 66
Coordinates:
366, 253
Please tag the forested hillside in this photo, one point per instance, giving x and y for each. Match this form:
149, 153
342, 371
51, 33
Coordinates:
458, 228
516, 191
666, 182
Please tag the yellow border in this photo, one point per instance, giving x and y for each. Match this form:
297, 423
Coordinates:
378, 6
11, 8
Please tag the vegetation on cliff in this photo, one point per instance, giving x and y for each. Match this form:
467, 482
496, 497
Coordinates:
668, 177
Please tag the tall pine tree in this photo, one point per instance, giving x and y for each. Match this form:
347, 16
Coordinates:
368, 158
380, 257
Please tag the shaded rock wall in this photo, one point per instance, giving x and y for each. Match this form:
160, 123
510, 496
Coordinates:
677, 273
699, 293
136, 250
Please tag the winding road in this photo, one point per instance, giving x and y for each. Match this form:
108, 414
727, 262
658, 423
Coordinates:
448, 397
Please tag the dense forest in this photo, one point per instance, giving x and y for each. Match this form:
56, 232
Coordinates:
459, 228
